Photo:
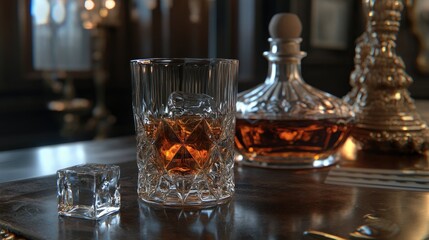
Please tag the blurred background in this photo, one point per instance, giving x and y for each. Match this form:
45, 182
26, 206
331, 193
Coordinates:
64, 64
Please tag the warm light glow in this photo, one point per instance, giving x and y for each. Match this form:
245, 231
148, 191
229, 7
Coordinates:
348, 150
89, 5
88, 25
398, 96
103, 12
407, 118
110, 4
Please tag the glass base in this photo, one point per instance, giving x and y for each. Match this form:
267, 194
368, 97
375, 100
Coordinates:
188, 205
86, 212
287, 163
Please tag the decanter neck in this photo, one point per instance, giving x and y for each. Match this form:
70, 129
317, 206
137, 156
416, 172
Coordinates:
284, 71
284, 60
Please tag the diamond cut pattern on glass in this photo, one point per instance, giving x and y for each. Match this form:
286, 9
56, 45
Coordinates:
183, 144
192, 157
198, 143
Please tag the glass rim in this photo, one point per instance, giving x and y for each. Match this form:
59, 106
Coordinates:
149, 61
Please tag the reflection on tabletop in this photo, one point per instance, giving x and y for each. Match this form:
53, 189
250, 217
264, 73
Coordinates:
352, 156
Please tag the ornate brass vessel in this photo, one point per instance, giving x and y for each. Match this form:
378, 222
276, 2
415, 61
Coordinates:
386, 117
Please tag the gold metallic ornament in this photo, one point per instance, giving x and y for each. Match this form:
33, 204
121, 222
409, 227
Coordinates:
386, 117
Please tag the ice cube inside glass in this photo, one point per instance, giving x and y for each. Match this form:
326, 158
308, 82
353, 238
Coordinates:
89, 191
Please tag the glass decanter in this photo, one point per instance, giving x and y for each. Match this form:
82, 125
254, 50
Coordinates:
284, 122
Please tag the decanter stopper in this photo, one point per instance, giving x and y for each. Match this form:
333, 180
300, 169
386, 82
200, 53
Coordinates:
285, 26
284, 122
386, 117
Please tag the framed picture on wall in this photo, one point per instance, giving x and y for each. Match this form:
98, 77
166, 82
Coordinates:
330, 20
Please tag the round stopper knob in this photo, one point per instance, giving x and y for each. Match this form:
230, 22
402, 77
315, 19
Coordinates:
285, 25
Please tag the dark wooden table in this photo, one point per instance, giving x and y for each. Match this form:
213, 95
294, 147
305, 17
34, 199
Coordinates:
268, 204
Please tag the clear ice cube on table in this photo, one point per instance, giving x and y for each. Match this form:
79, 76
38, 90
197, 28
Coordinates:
184, 104
88, 191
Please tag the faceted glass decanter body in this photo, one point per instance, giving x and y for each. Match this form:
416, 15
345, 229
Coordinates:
286, 123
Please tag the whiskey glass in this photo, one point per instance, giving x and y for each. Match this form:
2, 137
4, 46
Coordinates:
184, 115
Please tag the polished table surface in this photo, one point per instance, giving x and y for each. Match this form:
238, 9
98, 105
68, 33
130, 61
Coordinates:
268, 204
